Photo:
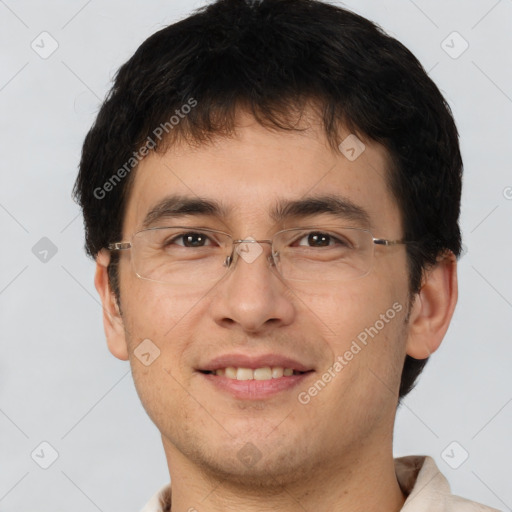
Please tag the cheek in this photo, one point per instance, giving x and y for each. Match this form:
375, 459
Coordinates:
353, 309
162, 320
366, 333
369, 350
153, 310
158, 327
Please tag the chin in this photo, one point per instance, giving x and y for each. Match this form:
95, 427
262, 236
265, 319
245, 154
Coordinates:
255, 464
271, 474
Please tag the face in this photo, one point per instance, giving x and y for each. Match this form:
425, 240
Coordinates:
345, 341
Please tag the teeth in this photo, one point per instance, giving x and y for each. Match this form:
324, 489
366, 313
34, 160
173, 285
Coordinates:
265, 373
230, 372
244, 374
277, 372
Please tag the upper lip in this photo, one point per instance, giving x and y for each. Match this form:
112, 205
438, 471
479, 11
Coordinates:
253, 362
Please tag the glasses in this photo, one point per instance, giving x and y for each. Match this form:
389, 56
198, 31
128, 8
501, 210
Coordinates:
184, 255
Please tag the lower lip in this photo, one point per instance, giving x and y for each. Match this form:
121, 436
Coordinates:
255, 389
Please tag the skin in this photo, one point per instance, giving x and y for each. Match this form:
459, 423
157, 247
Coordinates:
334, 453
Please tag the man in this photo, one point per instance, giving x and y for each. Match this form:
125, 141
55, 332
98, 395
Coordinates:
271, 192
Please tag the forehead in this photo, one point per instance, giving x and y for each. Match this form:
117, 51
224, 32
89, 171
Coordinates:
256, 172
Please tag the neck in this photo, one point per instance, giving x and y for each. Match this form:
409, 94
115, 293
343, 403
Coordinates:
364, 482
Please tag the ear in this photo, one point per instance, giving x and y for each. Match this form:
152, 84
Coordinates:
433, 308
112, 319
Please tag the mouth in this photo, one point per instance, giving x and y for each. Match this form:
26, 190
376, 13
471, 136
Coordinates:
263, 373
251, 377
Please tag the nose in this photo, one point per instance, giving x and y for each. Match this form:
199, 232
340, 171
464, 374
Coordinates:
252, 296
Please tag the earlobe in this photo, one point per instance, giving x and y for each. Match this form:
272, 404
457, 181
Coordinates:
433, 307
112, 319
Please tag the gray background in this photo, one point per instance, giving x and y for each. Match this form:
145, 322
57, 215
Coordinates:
59, 383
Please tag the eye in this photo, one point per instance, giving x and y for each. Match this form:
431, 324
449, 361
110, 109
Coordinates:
321, 239
190, 239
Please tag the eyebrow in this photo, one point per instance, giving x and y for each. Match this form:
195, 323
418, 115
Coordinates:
338, 206
178, 206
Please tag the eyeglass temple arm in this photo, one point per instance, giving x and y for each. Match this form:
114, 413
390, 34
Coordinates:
119, 246
383, 241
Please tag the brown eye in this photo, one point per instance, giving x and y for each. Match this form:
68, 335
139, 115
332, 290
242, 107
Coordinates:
318, 239
190, 239
321, 239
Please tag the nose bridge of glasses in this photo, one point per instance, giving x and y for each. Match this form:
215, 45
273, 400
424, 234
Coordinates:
252, 240
250, 253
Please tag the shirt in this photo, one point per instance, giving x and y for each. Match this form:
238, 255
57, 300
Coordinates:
426, 488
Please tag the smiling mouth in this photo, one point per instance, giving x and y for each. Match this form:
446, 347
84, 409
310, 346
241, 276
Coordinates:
264, 373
